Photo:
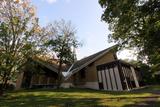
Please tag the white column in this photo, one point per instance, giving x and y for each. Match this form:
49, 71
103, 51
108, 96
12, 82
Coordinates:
108, 79
99, 76
113, 79
104, 80
135, 77
118, 80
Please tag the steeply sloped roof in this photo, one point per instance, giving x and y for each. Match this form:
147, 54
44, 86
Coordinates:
78, 65
50, 64
86, 59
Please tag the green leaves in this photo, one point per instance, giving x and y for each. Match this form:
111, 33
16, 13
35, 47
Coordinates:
134, 23
19, 39
63, 41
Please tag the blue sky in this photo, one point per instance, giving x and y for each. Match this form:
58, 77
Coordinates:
85, 15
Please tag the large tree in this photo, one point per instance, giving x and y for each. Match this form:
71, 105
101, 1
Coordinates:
62, 42
20, 37
136, 24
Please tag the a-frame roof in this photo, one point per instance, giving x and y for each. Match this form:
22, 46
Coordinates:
80, 64
49, 64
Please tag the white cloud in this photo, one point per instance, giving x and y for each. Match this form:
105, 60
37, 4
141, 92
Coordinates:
50, 1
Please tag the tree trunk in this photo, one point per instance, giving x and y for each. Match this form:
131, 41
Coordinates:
1, 89
1, 92
3, 85
59, 75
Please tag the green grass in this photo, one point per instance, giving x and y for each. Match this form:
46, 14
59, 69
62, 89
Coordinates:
75, 98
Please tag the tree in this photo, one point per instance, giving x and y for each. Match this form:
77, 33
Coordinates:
63, 43
20, 37
135, 23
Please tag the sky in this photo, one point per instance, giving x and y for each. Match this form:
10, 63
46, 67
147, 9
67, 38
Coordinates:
85, 16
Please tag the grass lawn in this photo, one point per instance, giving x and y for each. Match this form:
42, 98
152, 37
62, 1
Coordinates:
76, 98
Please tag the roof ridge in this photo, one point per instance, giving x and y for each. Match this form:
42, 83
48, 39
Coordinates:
88, 60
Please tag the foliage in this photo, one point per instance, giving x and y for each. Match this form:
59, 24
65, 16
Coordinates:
135, 23
62, 43
20, 37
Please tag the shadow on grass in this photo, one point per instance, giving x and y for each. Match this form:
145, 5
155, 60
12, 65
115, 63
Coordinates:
75, 90
65, 98
46, 101
153, 103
